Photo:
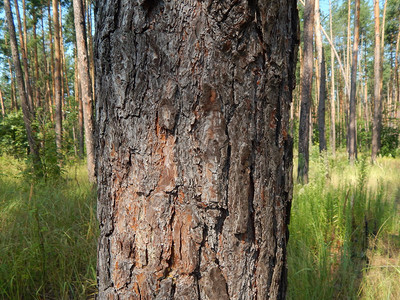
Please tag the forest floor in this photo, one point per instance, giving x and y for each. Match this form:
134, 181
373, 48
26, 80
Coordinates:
344, 232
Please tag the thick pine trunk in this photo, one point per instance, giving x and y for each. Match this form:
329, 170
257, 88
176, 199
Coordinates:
194, 159
86, 85
306, 97
376, 122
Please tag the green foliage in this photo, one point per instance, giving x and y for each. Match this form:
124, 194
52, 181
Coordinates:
389, 141
48, 235
13, 140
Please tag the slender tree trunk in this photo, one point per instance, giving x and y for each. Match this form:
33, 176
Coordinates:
14, 103
51, 64
3, 111
194, 158
89, 39
377, 119
306, 97
27, 113
36, 60
352, 142
396, 75
86, 85
22, 36
78, 101
57, 77
322, 79
348, 62
333, 117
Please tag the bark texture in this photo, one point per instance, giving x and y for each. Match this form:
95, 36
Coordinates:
86, 86
306, 89
194, 159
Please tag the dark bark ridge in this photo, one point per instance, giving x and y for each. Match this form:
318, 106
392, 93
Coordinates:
194, 159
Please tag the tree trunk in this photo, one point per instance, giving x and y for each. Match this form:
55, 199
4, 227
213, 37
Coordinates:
376, 122
396, 76
89, 41
51, 64
333, 116
24, 58
194, 158
348, 62
322, 79
36, 60
3, 111
14, 103
353, 87
86, 85
27, 113
306, 88
57, 77
78, 101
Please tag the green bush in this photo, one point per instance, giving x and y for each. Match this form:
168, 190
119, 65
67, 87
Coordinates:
389, 141
13, 140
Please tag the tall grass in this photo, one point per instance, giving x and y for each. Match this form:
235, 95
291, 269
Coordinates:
335, 221
48, 233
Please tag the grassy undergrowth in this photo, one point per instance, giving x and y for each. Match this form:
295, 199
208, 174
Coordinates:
345, 231
48, 234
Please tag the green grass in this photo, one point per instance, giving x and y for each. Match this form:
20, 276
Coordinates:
344, 232
48, 234
339, 224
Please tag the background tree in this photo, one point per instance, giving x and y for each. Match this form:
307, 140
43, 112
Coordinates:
306, 88
85, 84
322, 79
353, 87
27, 112
194, 158
377, 86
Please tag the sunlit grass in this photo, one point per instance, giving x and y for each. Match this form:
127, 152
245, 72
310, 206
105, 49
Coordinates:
340, 221
48, 234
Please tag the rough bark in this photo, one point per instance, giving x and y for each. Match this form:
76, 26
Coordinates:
194, 158
322, 79
306, 88
86, 85
57, 77
352, 132
27, 113
376, 122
